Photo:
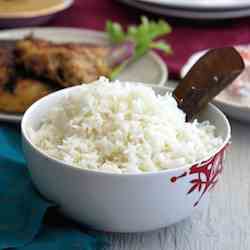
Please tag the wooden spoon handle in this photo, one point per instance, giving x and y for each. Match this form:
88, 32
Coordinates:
207, 78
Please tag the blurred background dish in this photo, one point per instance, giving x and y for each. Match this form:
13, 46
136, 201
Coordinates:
204, 5
207, 10
149, 69
231, 101
16, 13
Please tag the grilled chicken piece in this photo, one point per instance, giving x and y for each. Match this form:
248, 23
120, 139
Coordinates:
7, 64
66, 64
22, 94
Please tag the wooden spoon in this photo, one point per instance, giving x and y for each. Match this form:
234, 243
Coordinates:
207, 78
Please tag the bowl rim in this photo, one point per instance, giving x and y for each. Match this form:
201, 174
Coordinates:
27, 140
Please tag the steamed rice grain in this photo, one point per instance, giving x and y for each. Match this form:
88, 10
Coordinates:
123, 127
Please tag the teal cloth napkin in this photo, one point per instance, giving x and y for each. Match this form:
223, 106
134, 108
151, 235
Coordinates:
27, 220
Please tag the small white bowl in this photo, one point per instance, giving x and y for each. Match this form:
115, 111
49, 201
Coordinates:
234, 106
123, 202
32, 18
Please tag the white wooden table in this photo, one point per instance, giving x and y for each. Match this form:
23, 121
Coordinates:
224, 225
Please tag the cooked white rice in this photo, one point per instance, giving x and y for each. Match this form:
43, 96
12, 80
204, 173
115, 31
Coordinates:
123, 128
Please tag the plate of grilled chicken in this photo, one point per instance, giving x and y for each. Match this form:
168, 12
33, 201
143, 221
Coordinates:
37, 61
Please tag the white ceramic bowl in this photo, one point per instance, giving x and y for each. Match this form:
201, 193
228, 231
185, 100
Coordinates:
122, 202
32, 18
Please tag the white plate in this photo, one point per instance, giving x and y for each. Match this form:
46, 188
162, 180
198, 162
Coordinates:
201, 4
149, 69
232, 106
189, 13
32, 18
